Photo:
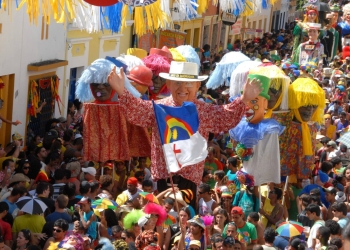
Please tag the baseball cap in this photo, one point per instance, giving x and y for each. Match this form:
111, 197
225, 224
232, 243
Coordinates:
332, 144
108, 165
84, 200
195, 243
89, 170
229, 145
237, 210
132, 181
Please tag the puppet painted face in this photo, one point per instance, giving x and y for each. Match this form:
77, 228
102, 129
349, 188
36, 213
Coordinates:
274, 96
306, 112
335, 17
101, 91
311, 16
255, 109
347, 16
313, 34
140, 88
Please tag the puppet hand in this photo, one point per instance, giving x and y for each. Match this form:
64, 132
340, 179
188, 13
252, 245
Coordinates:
117, 80
251, 90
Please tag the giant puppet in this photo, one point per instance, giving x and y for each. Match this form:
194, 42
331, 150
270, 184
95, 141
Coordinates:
183, 81
107, 133
311, 51
259, 137
300, 29
345, 25
297, 143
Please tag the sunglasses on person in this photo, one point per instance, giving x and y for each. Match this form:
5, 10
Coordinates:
272, 192
202, 192
123, 238
57, 230
26, 168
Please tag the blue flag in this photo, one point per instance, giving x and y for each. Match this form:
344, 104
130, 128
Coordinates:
182, 144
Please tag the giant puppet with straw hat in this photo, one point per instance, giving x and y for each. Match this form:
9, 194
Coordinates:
258, 143
183, 82
311, 51
107, 133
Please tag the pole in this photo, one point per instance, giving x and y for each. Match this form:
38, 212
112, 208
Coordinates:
284, 189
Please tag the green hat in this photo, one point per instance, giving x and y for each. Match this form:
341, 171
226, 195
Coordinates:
229, 145
275, 58
335, 8
265, 82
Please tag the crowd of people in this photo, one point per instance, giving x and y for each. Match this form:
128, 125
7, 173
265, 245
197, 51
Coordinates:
53, 198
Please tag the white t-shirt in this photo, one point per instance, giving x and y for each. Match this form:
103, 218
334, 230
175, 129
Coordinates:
313, 231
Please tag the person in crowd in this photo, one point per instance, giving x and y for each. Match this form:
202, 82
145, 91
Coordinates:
247, 231
272, 211
206, 204
60, 228
88, 218
59, 213
23, 240
313, 213
340, 211
254, 219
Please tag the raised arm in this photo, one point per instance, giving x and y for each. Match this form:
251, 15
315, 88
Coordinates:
136, 110
224, 117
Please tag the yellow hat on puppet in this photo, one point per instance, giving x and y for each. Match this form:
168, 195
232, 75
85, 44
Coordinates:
140, 53
306, 92
177, 56
279, 82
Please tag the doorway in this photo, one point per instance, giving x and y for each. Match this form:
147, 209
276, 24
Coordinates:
7, 83
74, 75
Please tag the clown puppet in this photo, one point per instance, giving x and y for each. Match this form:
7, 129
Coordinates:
300, 30
312, 50
159, 62
306, 102
331, 39
258, 138
345, 25
107, 134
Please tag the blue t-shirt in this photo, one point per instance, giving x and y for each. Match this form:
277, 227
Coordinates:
247, 203
56, 215
12, 206
91, 231
308, 188
233, 184
280, 242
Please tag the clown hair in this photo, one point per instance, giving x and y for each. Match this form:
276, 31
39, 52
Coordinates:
104, 244
132, 218
224, 68
208, 220
188, 52
346, 9
157, 63
130, 61
98, 72
239, 76
307, 92
278, 80
152, 208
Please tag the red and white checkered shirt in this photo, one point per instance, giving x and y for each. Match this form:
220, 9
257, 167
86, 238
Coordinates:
212, 118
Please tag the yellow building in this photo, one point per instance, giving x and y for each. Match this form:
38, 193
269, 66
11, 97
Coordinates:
83, 48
